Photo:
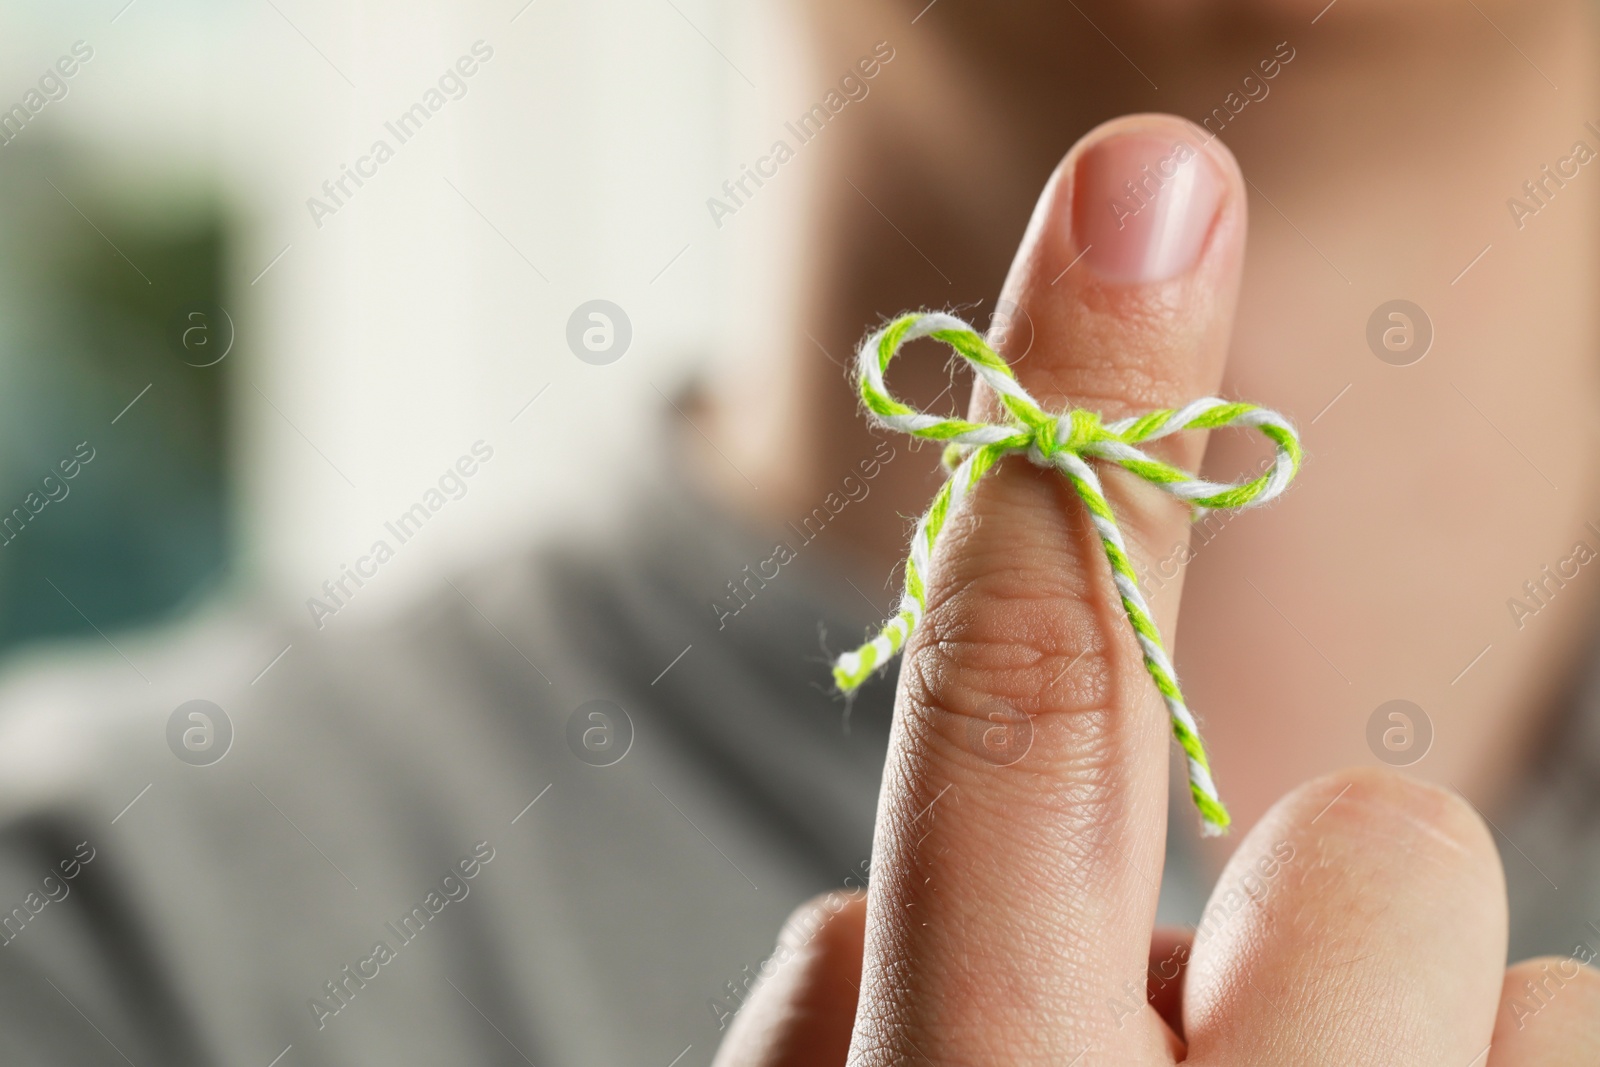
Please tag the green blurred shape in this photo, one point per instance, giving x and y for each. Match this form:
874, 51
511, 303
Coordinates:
94, 281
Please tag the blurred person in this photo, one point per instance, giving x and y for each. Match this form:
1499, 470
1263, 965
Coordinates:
437, 846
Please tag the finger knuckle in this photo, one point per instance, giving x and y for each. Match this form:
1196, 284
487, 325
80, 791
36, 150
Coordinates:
1006, 667
1024, 649
1010, 635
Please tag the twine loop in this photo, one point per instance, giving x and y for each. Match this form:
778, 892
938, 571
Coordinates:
1064, 443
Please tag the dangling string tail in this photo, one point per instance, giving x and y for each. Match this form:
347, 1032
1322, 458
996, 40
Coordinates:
1065, 443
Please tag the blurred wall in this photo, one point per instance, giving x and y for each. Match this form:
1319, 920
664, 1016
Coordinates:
381, 329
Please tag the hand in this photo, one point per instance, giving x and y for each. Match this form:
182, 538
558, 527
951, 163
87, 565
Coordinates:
1010, 918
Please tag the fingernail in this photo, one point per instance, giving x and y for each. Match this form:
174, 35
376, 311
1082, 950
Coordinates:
1142, 205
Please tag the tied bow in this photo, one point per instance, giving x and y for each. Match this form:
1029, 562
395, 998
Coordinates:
1065, 443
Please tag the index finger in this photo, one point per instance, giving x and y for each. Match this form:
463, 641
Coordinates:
1012, 888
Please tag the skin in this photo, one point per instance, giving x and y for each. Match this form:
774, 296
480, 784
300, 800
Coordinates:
1393, 142
1011, 912
1004, 928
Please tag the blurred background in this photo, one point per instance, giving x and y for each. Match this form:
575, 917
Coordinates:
268, 268
358, 352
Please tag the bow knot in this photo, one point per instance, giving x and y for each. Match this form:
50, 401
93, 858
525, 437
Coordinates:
1065, 443
1073, 432
1084, 429
1043, 438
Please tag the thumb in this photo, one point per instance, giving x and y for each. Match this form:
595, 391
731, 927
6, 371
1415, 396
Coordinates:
1001, 889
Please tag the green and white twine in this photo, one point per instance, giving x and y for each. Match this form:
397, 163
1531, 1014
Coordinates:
1064, 442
